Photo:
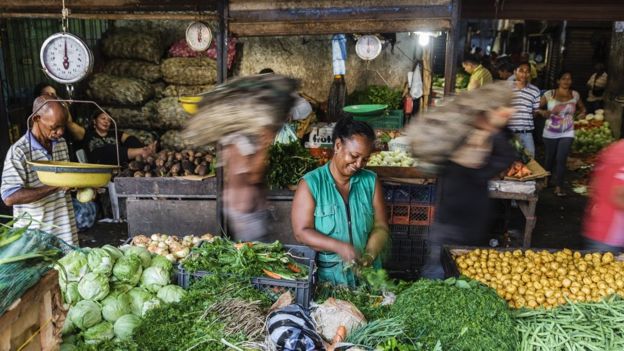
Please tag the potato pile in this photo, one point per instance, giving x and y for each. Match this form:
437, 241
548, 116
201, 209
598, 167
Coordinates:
170, 246
168, 163
542, 279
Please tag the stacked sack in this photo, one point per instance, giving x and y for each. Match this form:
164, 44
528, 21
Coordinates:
109, 290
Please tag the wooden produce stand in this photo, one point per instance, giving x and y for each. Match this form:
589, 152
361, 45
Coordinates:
34, 322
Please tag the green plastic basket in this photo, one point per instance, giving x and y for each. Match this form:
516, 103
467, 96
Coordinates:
392, 119
365, 110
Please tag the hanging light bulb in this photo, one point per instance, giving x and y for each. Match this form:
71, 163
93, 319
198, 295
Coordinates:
423, 39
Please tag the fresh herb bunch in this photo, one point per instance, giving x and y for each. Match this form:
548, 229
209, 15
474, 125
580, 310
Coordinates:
288, 163
459, 314
378, 94
245, 260
192, 323
368, 303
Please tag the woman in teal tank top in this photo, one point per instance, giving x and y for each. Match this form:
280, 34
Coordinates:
339, 209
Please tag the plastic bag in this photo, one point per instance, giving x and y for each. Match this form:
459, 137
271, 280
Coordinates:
291, 329
286, 135
334, 313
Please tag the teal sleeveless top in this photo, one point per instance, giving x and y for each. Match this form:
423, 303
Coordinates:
350, 222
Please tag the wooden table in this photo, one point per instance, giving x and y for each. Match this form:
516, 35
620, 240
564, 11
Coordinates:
527, 204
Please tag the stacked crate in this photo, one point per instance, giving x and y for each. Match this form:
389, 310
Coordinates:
410, 210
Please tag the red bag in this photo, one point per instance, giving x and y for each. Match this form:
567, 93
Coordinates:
408, 105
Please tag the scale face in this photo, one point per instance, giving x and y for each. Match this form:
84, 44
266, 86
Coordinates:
66, 58
198, 36
368, 47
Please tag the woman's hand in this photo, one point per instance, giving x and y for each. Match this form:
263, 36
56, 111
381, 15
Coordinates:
347, 252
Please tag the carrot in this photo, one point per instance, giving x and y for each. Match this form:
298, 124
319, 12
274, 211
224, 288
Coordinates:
271, 274
293, 267
239, 246
341, 335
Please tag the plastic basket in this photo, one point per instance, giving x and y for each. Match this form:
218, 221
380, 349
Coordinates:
407, 253
409, 193
410, 214
392, 119
301, 289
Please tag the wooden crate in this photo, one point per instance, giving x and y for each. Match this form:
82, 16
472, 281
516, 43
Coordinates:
34, 322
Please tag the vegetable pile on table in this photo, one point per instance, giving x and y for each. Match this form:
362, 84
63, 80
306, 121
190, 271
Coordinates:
518, 170
109, 291
543, 279
170, 246
167, 163
251, 259
592, 134
395, 158
288, 163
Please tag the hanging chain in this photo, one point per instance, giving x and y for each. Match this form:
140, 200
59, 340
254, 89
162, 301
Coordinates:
65, 17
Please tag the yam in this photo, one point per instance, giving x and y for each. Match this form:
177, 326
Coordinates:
113, 90
189, 71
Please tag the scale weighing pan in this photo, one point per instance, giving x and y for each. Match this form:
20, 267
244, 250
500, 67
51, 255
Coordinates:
66, 174
365, 110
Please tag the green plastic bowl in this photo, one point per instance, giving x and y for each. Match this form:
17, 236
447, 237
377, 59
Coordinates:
365, 110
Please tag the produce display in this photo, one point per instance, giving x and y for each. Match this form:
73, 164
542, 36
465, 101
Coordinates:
171, 115
173, 90
130, 44
148, 72
377, 95
518, 170
461, 81
251, 259
542, 279
173, 140
168, 163
592, 134
189, 71
395, 158
114, 90
110, 290
288, 163
171, 247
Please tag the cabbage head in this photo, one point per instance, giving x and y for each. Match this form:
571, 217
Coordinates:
68, 347
99, 333
138, 297
115, 306
100, 261
85, 314
71, 294
93, 286
125, 325
68, 327
163, 262
144, 255
149, 305
114, 252
73, 266
154, 278
171, 293
128, 269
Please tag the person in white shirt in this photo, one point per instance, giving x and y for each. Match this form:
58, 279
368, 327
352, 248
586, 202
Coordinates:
596, 87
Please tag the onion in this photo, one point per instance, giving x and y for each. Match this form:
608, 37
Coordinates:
170, 257
155, 237
163, 245
182, 253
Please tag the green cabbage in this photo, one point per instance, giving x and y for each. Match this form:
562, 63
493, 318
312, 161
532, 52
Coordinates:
114, 252
85, 314
72, 296
138, 297
93, 286
144, 255
150, 304
171, 293
73, 266
120, 288
161, 261
99, 333
128, 269
154, 278
100, 261
125, 325
68, 347
115, 305
68, 327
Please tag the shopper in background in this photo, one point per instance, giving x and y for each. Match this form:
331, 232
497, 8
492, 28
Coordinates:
596, 86
561, 105
526, 102
506, 71
479, 75
339, 208
40, 206
603, 227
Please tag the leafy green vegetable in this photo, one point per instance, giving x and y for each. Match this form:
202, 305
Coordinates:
98, 333
138, 297
377, 94
171, 293
93, 286
100, 261
85, 314
115, 306
141, 252
124, 326
459, 314
71, 294
128, 269
288, 163
73, 266
154, 278
161, 261
114, 252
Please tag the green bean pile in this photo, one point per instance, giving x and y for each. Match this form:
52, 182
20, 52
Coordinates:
573, 326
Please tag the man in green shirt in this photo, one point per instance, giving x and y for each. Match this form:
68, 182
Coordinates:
479, 75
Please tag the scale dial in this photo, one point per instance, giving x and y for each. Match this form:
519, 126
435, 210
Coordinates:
66, 58
198, 36
368, 47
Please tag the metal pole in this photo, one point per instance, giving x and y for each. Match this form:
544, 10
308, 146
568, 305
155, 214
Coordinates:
450, 66
222, 55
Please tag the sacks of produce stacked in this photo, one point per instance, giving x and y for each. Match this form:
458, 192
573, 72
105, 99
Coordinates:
109, 290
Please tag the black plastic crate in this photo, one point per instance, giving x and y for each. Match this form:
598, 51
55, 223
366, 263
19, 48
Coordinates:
406, 253
419, 232
301, 290
421, 194
401, 229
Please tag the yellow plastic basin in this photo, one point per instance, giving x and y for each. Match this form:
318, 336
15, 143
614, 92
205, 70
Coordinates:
189, 103
72, 174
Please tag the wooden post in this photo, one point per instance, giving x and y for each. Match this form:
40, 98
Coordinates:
222, 70
451, 56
